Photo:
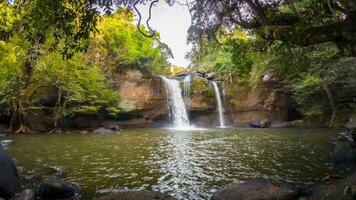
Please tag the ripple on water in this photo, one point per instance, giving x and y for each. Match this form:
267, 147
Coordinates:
186, 164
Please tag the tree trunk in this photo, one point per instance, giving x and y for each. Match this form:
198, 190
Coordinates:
333, 106
17, 120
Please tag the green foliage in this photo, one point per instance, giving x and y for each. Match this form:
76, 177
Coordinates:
320, 81
118, 44
81, 85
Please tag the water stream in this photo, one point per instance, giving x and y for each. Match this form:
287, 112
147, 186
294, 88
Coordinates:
186, 88
219, 105
177, 109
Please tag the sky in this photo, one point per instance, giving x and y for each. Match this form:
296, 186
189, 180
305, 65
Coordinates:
172, 22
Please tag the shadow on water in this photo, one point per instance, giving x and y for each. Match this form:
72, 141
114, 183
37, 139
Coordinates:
186, 164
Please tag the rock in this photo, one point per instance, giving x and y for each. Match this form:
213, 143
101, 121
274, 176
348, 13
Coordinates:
6, 143
258, 123
267, 77
200, 73
344, 189
137, 195
258, 189
291, 124
103, 130
113, 127
351, 124
211, 76
54, 188
342, 154
28, 194
56, 170
8, 175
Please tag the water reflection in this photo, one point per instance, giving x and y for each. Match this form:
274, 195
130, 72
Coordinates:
185, 164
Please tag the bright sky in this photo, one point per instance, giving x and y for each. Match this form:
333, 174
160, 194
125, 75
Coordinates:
172, 22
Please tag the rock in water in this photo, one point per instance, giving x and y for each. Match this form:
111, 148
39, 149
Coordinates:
258, 123
344, 189
8, 175
6, 143
28, 194
137, 195
258, 189
103, 131
54, 188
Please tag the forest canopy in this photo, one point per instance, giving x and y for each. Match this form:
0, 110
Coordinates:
40, 76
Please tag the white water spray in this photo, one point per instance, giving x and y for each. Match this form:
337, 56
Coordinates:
219, 106
177, 109
186, 88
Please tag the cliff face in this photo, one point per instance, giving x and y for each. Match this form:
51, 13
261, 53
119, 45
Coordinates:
143, 102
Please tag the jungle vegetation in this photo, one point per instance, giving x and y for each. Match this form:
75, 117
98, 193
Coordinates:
308, 45
66, 70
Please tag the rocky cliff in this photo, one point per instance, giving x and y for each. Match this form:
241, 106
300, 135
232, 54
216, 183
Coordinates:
143, 102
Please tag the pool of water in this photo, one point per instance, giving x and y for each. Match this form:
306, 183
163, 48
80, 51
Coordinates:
186, 164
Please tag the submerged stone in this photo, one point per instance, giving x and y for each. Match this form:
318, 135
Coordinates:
103, 130
137, 195
54, 188
259, 189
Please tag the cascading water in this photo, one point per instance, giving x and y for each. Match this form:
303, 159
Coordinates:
218, 100
177, 109
186, 88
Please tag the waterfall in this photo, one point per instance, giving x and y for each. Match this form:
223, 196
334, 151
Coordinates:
177, 109
186, 88
219, 104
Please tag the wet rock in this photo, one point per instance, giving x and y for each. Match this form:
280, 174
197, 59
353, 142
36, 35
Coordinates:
6, 143
343, 154
137, 195
258, 189
54, 188
291, 124
3, 128
267, 77
8, 175
103, 130
344, 189
258, 123
211, 76
56, 170
28, 194
200, 73
113, 127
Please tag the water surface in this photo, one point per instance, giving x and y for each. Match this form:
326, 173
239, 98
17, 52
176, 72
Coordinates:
185, 164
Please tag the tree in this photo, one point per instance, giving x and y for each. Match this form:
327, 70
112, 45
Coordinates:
302, 22
64, 26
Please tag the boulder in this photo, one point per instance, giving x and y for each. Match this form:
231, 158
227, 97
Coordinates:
28, 194
137, 195
54, 188
342, 155
200, 73
5, 143
344, 189
211, 76
8, 175
103, 130
258, 189
258, 123
291, 124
